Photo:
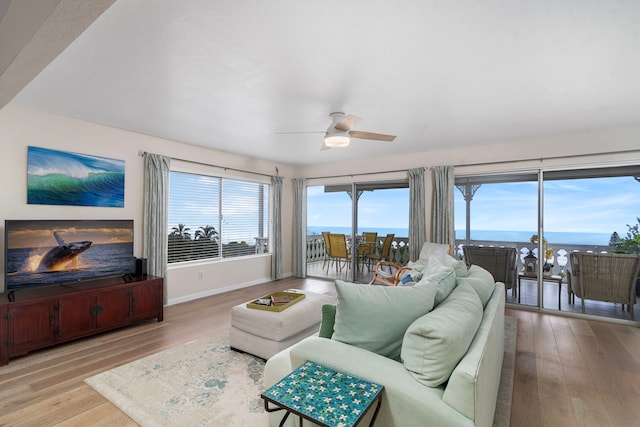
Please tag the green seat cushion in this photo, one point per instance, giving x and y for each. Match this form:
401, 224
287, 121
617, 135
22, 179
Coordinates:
375, 317
434, 343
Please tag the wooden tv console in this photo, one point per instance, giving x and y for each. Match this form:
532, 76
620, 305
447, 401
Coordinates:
43, 317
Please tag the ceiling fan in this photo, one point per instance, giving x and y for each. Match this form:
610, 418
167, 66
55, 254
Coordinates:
340, 132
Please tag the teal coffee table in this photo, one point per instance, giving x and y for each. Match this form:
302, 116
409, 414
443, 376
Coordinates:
325, 396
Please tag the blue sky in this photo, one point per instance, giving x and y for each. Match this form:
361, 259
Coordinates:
380, 208
601, 205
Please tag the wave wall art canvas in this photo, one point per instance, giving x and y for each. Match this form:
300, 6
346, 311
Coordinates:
64, 178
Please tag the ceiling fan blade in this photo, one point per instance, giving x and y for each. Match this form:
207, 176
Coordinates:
348, 122
371, 135
297, 132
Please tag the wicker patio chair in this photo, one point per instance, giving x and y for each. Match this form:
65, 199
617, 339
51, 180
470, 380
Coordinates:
500, 262
604, 277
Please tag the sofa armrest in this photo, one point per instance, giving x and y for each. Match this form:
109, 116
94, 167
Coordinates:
473, 386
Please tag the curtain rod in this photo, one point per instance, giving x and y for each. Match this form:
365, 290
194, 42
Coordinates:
359, 174
566, 156
142, 153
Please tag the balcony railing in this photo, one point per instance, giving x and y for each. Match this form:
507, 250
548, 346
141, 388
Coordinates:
559, 260
399, 252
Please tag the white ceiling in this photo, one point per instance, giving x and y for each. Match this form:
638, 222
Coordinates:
230, 74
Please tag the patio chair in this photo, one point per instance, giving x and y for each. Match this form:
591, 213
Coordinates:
385, 251
367, 247
604, 277
500, 262
327, 250
338, 250
394, 272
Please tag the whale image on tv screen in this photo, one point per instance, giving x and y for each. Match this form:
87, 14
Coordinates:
50, 252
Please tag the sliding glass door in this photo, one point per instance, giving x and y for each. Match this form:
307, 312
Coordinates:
357, 211
587, 210
500, 211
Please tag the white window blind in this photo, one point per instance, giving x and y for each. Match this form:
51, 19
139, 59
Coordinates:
213, 217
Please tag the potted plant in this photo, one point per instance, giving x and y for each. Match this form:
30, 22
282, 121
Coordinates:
630, 244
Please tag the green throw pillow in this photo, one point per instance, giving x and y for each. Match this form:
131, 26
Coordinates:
448, 261
481, 281
328, 320
443, 278
435, 343
375, 317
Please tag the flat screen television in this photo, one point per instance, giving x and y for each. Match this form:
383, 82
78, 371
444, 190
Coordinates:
53, 252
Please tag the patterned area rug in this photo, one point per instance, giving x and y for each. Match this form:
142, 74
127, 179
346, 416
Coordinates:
202, 382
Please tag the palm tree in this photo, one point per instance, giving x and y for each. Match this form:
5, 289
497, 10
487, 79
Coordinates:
207, 233
182, 231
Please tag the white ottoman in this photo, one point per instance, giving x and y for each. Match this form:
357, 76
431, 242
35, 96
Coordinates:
265, 333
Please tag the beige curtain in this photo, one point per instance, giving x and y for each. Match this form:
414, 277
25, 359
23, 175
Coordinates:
443, 229
276, 249
156, 193
417, 227
299, 228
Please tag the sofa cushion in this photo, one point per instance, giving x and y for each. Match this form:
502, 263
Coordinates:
327, 321
434, 343
481, 281
441, 277
375, 318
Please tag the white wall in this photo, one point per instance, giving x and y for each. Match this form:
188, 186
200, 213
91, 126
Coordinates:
21, 127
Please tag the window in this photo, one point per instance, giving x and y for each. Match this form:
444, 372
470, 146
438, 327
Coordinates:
585, 210
212, 217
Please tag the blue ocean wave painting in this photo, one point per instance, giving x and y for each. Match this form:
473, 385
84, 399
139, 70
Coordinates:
64, 178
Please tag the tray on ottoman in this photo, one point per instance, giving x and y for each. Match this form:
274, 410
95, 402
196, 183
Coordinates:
282, 296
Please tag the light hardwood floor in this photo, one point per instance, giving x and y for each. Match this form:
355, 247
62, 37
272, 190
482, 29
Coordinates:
569, 372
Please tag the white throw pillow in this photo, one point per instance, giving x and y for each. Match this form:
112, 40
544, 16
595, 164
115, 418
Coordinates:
435, 343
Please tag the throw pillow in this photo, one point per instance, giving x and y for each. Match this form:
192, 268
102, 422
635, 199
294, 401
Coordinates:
448, 261
407, 281
443, 278
416, 271
328, 320
435, 343
430, 249
375, 318
481, 281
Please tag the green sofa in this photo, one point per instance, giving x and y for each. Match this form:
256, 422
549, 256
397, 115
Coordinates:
466, 396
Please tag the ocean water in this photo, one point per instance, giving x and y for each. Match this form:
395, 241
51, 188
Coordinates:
600, 239
98, 261
97, 189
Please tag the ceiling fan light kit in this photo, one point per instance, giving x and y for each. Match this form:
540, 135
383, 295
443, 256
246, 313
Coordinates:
336, 139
